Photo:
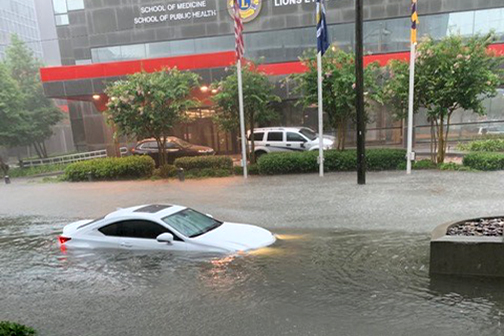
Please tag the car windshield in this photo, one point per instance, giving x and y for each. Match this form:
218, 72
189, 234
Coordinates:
191, 223
180, 142
308, 133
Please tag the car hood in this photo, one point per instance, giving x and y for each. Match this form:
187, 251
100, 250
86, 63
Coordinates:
198, 147
327, 140
234, 237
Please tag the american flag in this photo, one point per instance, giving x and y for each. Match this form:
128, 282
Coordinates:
414, 21
238, 29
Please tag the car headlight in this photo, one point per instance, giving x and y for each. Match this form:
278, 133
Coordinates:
207, 151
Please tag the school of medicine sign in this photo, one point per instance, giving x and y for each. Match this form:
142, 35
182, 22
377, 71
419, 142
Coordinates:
201, 9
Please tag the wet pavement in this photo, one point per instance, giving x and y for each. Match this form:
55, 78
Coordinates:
357, 265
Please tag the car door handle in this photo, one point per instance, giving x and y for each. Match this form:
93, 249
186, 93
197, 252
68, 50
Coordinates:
126, 245
267, 145
288, 145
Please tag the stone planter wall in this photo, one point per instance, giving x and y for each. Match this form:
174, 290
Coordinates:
466, 255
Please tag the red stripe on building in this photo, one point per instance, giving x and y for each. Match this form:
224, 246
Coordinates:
190, 62
193, 62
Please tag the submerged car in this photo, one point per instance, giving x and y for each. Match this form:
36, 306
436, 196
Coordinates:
166, 228
174, 148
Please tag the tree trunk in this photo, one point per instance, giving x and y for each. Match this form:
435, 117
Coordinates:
252, 142
441, 143
433, 140
37, 149
343, 133
446, 134
161, 151
44, 149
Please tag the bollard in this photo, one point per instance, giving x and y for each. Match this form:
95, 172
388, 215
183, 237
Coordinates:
90, 177
180, 174
7, 179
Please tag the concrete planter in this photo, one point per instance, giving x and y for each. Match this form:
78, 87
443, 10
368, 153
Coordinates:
466, 255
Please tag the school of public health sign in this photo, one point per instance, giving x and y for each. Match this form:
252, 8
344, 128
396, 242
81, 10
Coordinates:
199, 9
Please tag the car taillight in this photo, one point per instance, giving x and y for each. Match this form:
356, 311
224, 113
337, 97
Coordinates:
63, 240
132, 150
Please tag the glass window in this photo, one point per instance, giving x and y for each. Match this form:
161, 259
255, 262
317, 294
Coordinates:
159, 49
75, 4
131, 52
107, 54
258, 136
191, 223
134, 229
60, 6
61, 20
183, 47
294, 137
275, 136
308, 133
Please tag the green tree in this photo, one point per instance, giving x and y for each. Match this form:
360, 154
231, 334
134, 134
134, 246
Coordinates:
451, 74
13, 125
149, 104
338, 85
39, 114
258, 100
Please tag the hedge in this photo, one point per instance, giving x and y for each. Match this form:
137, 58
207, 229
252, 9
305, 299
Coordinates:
202, 162
488, 145
484, 161
111, 168
306, 162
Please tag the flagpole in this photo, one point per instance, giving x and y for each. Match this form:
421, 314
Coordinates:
320, 115
410, 109
242, 118
414, 22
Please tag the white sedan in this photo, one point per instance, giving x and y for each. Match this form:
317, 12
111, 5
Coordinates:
166, 228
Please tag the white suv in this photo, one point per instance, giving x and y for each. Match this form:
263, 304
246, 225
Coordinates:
281, 139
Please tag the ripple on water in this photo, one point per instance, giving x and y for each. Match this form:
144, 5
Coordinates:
379, 277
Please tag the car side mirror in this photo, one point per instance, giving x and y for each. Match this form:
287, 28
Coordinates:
209, 215
302, 145
165, 238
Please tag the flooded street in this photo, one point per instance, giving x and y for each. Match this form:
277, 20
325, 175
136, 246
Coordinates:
311, 282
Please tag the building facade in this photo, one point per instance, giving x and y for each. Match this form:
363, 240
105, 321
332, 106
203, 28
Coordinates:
104, 40
19, 17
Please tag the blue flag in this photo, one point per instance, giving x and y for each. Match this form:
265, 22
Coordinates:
322, 33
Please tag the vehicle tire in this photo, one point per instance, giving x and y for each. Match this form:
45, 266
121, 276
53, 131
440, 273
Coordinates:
258, 154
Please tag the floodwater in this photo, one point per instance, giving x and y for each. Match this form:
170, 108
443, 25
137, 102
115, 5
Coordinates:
317, 282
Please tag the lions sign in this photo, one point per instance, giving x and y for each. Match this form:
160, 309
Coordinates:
249, 9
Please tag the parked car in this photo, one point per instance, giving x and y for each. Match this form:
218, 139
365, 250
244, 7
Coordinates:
281, 139
175, 148
165, 228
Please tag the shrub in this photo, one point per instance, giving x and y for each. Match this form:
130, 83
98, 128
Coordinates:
166, 171
111, 168
488, 145
422, 164
31, 171
14, 329
207, 172
201, 162
484, 161
454, 166
305, 162
253, 169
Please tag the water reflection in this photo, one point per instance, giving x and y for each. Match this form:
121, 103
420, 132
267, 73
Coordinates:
319, 282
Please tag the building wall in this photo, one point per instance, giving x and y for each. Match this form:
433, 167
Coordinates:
97, 31
18, 17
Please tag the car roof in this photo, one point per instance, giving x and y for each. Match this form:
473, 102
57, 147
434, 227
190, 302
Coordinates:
278, 129
152, 139
146, 211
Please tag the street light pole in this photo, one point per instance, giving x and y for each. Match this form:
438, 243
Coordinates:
359, 90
